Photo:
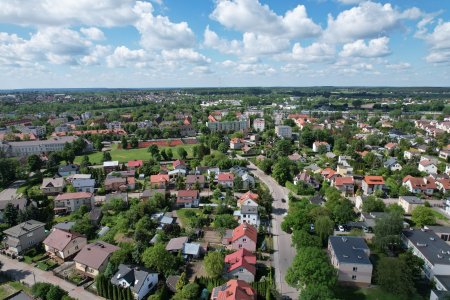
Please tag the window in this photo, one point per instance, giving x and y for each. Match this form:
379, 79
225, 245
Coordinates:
355, 269
354, 277
244, 240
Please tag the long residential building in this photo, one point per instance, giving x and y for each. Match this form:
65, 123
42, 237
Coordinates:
25, 148
229, 126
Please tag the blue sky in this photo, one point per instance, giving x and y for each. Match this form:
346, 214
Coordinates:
195, 43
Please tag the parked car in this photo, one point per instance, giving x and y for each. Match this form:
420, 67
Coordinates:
341, 228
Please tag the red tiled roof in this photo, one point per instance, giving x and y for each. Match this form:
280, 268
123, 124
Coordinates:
159, 178
390, 145
420, 183
225, 177
212, 119
135, 163
343, 180
187, 193
248, 195
241, 258
374, 179
245, 230
178, 163
70, 196
236, 289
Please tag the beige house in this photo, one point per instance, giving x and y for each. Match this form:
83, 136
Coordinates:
62, 244
409, 203
53, 186
24, 235
70, 202
350, 256
94, 258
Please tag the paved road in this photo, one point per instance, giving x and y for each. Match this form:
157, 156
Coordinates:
284, 252
25, 273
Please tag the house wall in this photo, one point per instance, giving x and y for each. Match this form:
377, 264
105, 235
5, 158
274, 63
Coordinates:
30, 239
244, 242
150, 282
52, 190
242, 274
363, 273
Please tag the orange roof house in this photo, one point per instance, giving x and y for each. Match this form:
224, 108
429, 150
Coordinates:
234, 290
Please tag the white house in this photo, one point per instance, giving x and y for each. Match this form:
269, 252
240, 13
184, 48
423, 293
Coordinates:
316, 146
140, 280
84, 185
259, 124
427, 167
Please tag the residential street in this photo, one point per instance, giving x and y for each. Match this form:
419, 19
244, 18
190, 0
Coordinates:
23, 272
284, 252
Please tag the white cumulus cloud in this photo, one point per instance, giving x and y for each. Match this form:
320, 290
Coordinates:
374, 48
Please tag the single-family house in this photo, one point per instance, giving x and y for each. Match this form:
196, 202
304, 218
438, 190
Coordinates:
176, 244
249, 199
179, 164
67, 170
70, 202
346, 185
95, 215
234, 289
140, 280
371, 184
147, 194
443, 185
195, 181
241, 265
53, 186
160, 181
248, 214
244, 236
94, 258
409, 203
392, 164
411, 153
110, 166
188, 198
115, 184
24, 236
62, 245
307, 179
236, 143
134, 164
226, 180
427, 166
426, 185
350, 256
84, 184
318, 145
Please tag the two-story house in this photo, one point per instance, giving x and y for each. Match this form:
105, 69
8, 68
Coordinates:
409, 203
226, 180
243, 236
234, 289
94, 258
62, 245
159, 181
371, 184
241, 265
188, 198
70, 202
350, 256
346, 185
24, 236
53, 186
140, 280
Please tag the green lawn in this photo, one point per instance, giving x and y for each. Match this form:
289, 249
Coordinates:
440, 216
375, 293
10, 287
183, 215
126, 155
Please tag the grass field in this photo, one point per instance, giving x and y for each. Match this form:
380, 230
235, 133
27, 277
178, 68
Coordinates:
126, 155
183, 215
10, 287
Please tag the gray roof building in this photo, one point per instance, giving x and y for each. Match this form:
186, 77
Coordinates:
430, 247
23, 228
350, 249
134, 276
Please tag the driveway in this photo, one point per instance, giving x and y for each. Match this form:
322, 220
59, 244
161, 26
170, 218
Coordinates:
23, 272
284, 252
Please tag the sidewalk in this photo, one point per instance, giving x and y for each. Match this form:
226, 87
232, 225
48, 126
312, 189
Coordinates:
23, 272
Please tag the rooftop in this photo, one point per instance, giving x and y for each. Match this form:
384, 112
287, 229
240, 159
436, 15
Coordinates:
435, 250
350, 250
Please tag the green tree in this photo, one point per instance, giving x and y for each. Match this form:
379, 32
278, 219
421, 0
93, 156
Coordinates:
311, 266
387, 230
182, 153
34, 163
423, 215
214, 264
316, 292
55, 293
158, 258
238, 184
153, 149
281, 171
40, 289
189, 292
283, 147
124, 142
10, 214
302, 239
182, 281
324, 227
373, 204
134, 143
169, 154
106, 156
221, 222
394, 276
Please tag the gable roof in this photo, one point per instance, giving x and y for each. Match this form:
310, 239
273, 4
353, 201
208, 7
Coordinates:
248, 195
343, 180
225, 177
187, 193
135, 276
94, 255
241, 258
192, 179
234, 290
135, 163
176, 243
52, 182
59, 239
72, 196
245, 230
374, 179
23, 228
159, 178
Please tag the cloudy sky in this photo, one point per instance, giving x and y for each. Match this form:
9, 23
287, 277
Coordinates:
183, 43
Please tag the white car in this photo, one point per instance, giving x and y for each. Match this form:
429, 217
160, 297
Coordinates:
341, 228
